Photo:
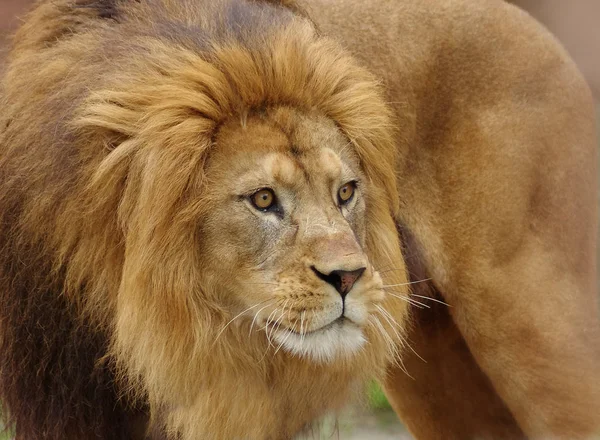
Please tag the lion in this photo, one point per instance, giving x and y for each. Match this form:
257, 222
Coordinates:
219, 219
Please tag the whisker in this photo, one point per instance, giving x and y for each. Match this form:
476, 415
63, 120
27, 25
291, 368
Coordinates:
386, 336
408, 283
237, 316
278, 320
413, 302
388, 314
385, 315
416, 354
302, 334
404, 341
432, 299
274, 327
256, 316
266, 328
284, 340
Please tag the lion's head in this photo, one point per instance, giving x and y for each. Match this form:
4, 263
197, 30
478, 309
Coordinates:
284, 239
231, 223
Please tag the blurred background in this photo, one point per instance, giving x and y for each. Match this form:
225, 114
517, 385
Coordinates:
576, 23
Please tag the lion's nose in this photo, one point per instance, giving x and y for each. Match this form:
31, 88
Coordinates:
342, 280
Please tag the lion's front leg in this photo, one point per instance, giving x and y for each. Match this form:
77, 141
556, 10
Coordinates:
533, 329
446, 396
517, 344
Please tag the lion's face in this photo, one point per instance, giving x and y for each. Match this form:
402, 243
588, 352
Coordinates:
284, 240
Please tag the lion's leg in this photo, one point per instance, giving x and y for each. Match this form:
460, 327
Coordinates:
439, 391
447, 395
535, 333
539, 357
530, 321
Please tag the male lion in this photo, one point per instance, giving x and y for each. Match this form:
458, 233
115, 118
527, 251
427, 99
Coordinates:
210, 213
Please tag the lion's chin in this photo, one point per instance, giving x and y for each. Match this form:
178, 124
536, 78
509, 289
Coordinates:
340, 339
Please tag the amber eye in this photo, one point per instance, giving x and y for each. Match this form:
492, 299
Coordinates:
263, 199
346, 192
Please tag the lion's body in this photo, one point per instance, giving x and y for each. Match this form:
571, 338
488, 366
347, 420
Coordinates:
103, 131
498, 203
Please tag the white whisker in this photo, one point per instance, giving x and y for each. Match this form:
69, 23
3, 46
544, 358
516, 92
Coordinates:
266, 327
256, 316
396, 354
404, 341
302, 334
284, 340
384, 334
408, 283
431, 299
236, 317
278, 320
416, 354
387, 317
410, 301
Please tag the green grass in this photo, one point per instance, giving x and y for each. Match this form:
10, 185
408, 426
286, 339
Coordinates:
377, 399
4, 435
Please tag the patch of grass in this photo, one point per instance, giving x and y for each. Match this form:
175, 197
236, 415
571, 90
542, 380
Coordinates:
4, 433
377, 399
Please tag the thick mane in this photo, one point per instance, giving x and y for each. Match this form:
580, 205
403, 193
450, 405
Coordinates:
103, 8
127, 110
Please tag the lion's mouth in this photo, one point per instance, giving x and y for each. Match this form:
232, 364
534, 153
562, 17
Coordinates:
339, 338
339, 321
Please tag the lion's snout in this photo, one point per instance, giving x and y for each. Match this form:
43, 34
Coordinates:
342, 280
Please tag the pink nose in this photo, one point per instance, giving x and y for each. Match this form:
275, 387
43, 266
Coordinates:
342, 280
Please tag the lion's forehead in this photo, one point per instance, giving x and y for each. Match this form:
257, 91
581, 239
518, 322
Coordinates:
291, 150
318, 164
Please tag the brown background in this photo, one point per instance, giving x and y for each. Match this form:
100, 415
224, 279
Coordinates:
9, 11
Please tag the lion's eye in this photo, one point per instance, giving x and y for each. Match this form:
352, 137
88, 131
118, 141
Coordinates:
346, 192
263, 199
